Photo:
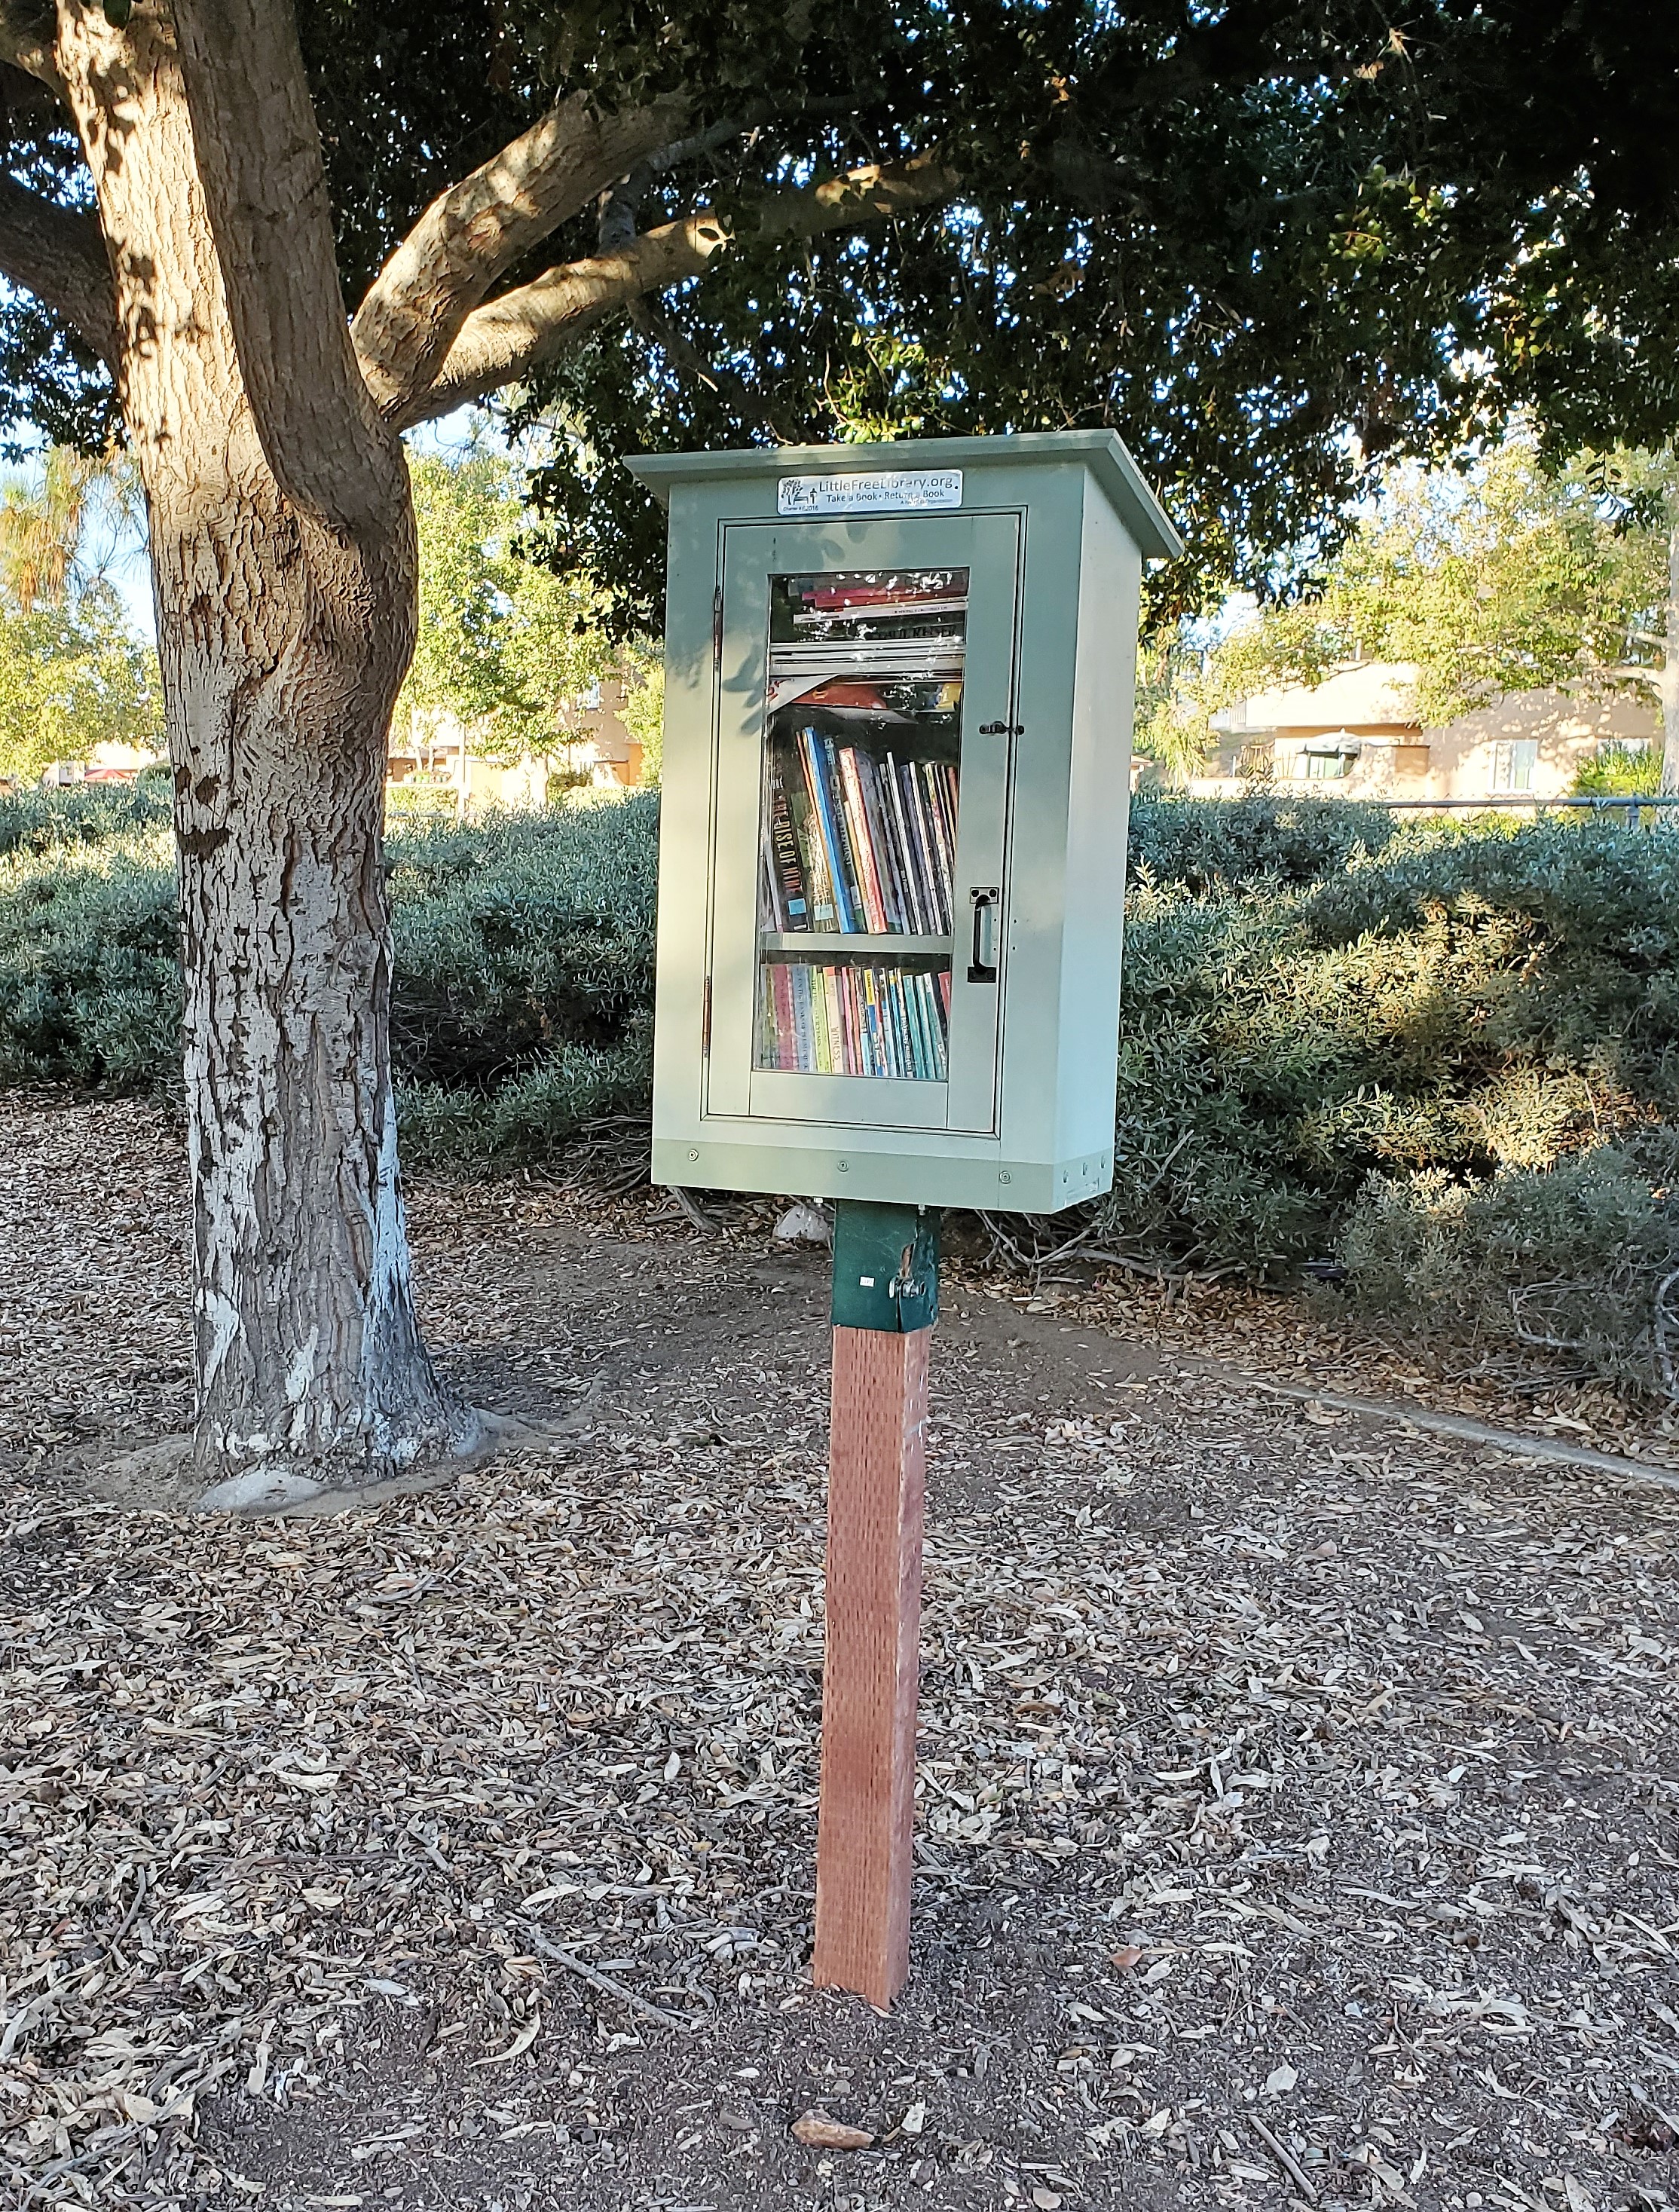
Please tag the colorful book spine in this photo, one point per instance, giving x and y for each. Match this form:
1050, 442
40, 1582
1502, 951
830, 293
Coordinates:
922, 845
859, 830
941, 816
839, 1053
792, 903
856, 1019
935, 998
808, 837
883, 843
786, 1044
816, 781
850, 867
921, 1045
910, 868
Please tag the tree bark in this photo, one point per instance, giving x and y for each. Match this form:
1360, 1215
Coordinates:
285, 624
1670, 658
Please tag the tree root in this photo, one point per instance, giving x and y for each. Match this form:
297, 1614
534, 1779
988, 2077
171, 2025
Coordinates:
164, 1474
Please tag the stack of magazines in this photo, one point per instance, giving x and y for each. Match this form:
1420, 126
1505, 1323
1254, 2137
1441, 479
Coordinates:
855, 1019
858, 841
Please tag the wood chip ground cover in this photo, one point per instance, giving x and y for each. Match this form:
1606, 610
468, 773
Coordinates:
1296, 1814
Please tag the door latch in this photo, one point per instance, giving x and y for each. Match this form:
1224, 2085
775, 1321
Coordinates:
983, 953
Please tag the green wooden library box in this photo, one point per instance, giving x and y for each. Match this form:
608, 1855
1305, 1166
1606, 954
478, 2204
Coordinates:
897, 765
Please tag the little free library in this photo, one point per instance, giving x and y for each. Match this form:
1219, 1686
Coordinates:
897, 729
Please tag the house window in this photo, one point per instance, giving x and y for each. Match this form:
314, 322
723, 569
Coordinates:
1514, 761
1327, 762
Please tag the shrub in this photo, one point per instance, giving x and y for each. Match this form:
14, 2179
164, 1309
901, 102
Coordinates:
535, 1112
521, 934
37, 820
89, 973
1617, 769
1221, 844
514, 937
1415, 1047
1572, 1258
1460, 1005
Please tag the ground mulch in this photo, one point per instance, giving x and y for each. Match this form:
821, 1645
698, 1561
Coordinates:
1296, 1815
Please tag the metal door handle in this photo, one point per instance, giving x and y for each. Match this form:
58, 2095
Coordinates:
1003, 729
982, 969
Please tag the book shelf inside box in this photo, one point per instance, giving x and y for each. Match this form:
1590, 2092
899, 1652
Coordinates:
861, 782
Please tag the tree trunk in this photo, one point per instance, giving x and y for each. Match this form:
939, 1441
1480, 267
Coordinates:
1670, 658
284, 642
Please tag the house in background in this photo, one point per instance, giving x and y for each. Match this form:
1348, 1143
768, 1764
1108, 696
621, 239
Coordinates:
603, 753
434, 752
1357, 736
110, 762
431, 750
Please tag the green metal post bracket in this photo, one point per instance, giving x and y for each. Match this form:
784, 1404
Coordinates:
885, 1266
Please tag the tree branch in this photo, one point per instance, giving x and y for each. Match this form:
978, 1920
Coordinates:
58, 254
749, 405
510, 337
26, 46
617, 222
260, 160
473, 233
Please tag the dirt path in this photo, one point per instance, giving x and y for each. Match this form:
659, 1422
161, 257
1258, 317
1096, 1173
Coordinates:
1297, 1797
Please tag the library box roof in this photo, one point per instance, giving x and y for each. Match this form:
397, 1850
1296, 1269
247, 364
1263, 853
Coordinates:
1101, 452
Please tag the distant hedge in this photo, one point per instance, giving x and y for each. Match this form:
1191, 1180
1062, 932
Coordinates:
1450, 1058
523, 962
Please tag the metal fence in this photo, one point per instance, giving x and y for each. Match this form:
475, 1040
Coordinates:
1632, 805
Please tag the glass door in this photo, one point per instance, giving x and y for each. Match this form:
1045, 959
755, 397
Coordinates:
865, 744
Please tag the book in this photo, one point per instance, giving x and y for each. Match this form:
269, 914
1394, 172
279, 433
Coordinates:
816, 778
788, 886
828, 753
838, 1055
921, 1044
781, 1005
855, 1017
804, 1034
807, 837
936, 876
941, 817
889, 857
859, 830
915, 909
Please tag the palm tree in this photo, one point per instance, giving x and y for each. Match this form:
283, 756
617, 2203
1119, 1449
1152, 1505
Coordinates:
43, 525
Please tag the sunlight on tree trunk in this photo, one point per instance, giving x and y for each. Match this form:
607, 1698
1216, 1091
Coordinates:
283, 640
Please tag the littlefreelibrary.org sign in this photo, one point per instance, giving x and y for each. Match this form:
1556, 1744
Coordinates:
884, 491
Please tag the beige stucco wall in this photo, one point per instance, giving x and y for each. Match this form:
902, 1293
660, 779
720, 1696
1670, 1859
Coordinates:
435, 749
613, 756
1462, 759
1568, 730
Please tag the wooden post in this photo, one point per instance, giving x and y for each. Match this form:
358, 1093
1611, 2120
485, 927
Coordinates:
885, 1292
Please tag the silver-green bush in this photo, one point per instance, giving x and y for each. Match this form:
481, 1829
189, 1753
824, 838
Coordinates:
1450, 1058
